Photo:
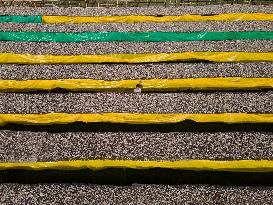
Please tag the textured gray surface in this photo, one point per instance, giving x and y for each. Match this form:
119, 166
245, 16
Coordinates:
135, 47
20, 147
212, 9
157, 146
171, 27
136, 194
26, 146
32, 146
139, 71
216, 102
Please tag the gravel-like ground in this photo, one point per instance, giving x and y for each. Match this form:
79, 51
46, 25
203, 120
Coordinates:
171, 27
136, 194
156, 146
140, 71
134, 47
20, 146
200, 102
24, 146
209, 9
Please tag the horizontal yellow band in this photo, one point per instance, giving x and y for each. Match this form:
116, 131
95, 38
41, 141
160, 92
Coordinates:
136, 58
132, 118
138, 19
235, 166
233, 83
146, 85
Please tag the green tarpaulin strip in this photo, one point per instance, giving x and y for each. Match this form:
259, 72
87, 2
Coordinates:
132, 36
21, 19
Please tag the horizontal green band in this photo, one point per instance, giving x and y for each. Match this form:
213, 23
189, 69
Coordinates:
21, 19
133, 36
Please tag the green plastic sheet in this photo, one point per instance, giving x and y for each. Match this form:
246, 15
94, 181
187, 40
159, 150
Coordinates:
21, 19
132, 36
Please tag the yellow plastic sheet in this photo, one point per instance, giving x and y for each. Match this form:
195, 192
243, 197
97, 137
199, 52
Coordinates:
232, 166
132, 118
136, 58
233, 83
138, 19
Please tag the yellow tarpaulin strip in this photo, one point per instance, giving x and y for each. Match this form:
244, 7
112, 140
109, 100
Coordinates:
138, 19
132, 118
136, 58
212, 165
233, 83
